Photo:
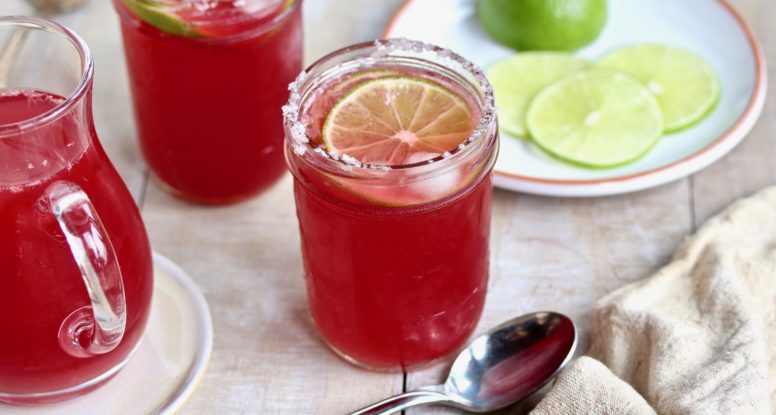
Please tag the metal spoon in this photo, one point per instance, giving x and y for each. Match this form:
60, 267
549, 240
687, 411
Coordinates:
497, 369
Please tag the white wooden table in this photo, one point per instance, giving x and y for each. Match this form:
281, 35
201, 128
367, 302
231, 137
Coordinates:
547, 253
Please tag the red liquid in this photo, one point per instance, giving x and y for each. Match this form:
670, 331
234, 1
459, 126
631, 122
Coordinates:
395, 287
208, 109
40, 283
396, 272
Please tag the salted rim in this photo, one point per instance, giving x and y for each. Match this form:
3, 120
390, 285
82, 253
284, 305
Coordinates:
263, 27
87, 69
298, 133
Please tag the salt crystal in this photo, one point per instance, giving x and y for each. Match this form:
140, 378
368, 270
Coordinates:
351, 160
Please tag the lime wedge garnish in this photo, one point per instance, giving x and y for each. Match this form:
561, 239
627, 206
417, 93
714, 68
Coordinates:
397, 121
684, 84
516, 81
161, 17
596, 118
393, 121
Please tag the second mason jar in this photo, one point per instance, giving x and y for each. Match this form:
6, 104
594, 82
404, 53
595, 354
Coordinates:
208, 78
391, 144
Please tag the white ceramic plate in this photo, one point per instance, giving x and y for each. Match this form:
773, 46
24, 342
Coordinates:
710, 28
167, 365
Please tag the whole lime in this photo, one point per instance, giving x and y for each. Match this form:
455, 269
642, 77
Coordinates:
543, 24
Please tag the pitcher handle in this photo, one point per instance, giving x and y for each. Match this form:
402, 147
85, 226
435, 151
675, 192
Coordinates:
98, 328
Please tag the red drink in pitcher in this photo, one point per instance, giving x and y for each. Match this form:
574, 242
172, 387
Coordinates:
392, 155
75, 263
34, 319
208, 78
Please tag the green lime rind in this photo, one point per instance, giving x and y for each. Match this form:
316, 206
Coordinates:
685, 85
543, 24
517, 79
596, 118
157, 15
598, 167
698, 120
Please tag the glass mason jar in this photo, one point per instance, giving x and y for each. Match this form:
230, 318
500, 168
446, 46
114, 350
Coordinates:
395, 257
75, 263
207, 91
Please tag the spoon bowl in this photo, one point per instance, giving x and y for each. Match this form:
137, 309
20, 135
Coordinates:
498, 368
512, 361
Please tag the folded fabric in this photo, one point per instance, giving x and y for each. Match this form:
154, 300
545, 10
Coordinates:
698, 337
588, 387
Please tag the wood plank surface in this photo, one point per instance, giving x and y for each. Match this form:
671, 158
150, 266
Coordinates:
546, 253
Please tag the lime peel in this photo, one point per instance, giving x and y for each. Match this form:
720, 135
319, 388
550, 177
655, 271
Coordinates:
685, 85
543, 24
159, 16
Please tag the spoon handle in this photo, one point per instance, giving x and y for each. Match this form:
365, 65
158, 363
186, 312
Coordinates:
401, 402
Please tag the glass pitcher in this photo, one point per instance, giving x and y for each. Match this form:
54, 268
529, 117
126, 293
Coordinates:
75, 262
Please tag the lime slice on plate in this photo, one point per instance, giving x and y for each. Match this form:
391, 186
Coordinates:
685, 85
397, 121
516, 81
596, 118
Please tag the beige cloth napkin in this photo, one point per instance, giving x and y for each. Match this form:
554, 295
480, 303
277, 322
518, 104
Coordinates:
698, 337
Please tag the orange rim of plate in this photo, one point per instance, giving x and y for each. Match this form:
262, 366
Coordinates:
755, 101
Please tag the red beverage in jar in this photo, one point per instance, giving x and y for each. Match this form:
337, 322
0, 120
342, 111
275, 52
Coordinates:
392, 162
208, 78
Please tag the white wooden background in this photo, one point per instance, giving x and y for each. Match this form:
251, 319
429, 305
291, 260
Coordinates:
547, 253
